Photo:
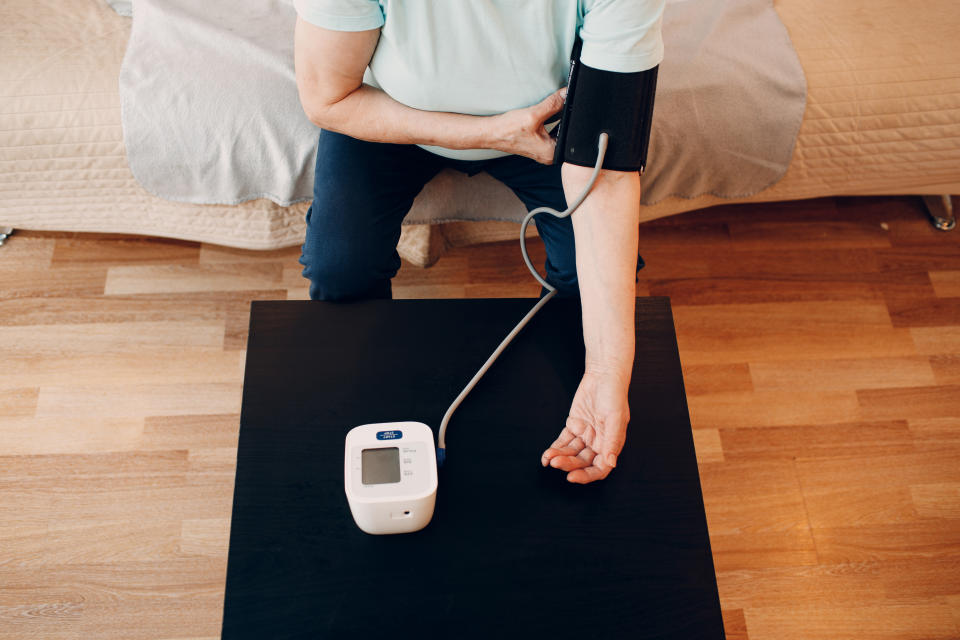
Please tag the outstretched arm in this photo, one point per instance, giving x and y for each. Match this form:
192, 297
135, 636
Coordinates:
606, 231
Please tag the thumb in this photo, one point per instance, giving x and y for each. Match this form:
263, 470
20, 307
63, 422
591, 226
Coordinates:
551, 104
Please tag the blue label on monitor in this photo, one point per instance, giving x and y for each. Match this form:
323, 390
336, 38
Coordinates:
389, 435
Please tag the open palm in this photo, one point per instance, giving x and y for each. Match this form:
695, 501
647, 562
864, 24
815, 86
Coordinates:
596, 429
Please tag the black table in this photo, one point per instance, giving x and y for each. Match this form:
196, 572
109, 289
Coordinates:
513, 550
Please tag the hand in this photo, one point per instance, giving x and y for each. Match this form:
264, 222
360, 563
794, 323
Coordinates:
596, 429
521, 131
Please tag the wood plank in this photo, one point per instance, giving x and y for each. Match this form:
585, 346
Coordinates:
954, 603
188, 364
691, 232
297, 287
205, 537
59, 340
703, 379
123, 251
818, 441
181, 596
820, 585
708, 446
926, 579
833, 234
867, 507
668, 262
717, 334
125, 280
922, 311
734, 624
946, 284
936, 340
214, 460
889, 622
18, 401
104, 541
45, 282
935, 434
27, 253
901, 469
940, 254
157, 497
818, 263
937, 500
115, 464
931, 538
946, 368
713, 290
138, 400
875, 490
937, 401
190, 431
218, 254
772, 408
842, 374
69, 434
200, 306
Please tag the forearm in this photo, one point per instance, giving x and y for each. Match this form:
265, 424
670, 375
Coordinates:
606, 232
370, 114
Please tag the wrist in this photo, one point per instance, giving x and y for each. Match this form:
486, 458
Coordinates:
488, 132
617, 372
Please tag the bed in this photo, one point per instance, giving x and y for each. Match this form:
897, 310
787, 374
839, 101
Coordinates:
882, 117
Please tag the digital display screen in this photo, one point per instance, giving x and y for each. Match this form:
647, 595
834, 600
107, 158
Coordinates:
380, 466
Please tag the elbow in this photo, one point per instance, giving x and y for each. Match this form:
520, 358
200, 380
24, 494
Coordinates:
318, 105
316, 110
316, 114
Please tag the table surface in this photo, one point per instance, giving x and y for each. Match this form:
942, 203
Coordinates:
513, 549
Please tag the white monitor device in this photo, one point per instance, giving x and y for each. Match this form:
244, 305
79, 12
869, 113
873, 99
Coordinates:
390, 476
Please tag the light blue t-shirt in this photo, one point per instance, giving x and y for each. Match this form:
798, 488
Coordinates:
484, 57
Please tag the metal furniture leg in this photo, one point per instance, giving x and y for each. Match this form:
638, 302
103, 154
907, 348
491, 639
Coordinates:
5, 232
940, 210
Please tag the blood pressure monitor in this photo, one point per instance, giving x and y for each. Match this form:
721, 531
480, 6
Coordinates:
390, 476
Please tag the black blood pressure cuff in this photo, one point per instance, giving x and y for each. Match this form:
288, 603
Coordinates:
620, 104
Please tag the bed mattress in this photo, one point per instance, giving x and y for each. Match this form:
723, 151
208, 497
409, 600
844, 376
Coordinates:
882, 117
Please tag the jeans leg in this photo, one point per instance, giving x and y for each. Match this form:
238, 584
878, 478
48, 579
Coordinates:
361, 193
540, 185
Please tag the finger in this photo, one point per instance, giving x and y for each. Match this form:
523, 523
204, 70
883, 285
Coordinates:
582, 428
565, 440
574, 448
588, 474
550, 105
568, 463
564, 451
587, 455
573, 461
611, 441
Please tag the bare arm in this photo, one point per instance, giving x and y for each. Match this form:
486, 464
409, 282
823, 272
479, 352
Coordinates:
606, 227
330, 67
606, 230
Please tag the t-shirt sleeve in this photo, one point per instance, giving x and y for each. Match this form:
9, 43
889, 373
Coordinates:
622, 35
341, 15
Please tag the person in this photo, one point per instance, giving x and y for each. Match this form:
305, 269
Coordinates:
402, 89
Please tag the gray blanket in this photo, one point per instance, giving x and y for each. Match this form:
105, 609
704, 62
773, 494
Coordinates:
211, 114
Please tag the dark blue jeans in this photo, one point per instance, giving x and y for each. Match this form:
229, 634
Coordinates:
362, 191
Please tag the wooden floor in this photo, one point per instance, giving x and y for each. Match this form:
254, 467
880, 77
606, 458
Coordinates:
821, 350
